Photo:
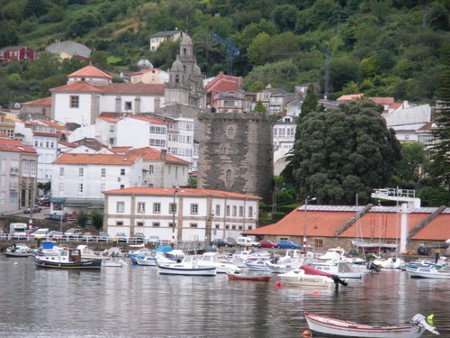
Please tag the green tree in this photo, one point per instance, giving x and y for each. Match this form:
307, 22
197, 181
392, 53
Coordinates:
258, 49
413, 164
82, 218
45, 187
310, 102
284, 17
259, 107
97, 218
344, 151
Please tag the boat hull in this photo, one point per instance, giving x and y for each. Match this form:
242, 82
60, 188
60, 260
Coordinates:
94, 264
344, 328
181, 271
253, 278
18, 254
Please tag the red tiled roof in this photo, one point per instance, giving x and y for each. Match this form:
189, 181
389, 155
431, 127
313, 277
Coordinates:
46, 101
319, 224
151, 154
36, 133
383, 100
426, 127
89, 71
109, 119
114, 88
223, 83
146, 119
117, 118
437, 229
381, 225
185, 192
15, 146
77, 87
67, 144
119, 150
96, 159
349, 97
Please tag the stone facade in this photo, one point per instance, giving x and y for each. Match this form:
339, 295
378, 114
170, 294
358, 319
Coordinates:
236, 153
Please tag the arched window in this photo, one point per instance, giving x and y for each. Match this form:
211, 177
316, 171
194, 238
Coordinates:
229, 176
177, 78
184, 51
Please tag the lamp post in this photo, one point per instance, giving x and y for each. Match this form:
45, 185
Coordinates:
173, 215
307, 199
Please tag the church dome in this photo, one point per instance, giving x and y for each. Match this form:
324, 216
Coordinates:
144, 63
186, 40
177, 66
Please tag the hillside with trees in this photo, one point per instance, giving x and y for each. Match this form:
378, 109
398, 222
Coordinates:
377, 47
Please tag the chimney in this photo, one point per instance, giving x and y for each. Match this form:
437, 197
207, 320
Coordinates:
163, 154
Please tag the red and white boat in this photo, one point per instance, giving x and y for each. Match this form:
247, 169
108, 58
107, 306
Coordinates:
344, 328
249, 277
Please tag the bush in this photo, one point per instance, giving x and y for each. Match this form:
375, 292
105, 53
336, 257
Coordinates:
82, 218
97, 219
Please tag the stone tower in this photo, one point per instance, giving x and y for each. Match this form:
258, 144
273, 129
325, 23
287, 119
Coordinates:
185, 78
236, 153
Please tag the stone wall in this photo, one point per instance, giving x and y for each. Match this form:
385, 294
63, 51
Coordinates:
236, 153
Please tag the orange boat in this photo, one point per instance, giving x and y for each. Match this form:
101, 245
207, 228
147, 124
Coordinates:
249, 276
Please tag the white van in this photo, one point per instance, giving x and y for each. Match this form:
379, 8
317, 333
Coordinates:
18, 230
246, 241
41, 233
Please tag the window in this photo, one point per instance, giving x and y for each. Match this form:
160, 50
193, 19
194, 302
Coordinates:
122, 186
122, 172
151, 169
61, 172
80, 172
171, 225
241, 211
128, 105
233, 227
193, 225
74, 101
173, 208
234, 211
250, 212
103, 173
240, 227
155, 224
140, 224
217, 209
229, 176
227, 227
217, 226
61, 188
228, 210
250, 227
119, 223
120, 207
318, 243
80, 188
102, 187
156, 208
141, 207
111, 128
194, 209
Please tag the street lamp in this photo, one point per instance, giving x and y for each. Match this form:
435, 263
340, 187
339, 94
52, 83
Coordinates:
307, 199
173, 215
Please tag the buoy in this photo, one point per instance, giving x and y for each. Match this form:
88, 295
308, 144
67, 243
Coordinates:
316, 292
306, 334
278, 284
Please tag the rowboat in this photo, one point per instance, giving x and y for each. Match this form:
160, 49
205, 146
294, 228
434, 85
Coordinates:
249, 277
344, 328
429, 272
19, 250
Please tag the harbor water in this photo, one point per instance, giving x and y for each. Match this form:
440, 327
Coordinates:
135, 301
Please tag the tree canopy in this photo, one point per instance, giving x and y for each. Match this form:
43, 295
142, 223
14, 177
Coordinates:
344, 151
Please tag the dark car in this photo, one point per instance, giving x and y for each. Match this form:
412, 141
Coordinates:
221, 243
35, 209
267, 244
56, 217
286, 244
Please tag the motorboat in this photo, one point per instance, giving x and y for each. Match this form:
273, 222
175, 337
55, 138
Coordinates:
146, 260
334, 255
88, 253
114, 264
188, 267
51, 256
429, 271
340, 269
308, 276
19, 250
259, 265
249, 276
344, 328
212, 259
390, 263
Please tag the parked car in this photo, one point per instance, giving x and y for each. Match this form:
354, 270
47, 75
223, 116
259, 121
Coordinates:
103, 236
56, 217
246, 241
264, 243
35, 209
73, 233
55, 235
286, 244
88, 236
139, 237
121, 237
153, 239
41, 233
221, 243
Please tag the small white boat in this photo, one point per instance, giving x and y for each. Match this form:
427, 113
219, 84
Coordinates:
299, 277
188, 267
340, 269
211, 259
114, 264
334, 255
19, 250
429, 272
344, 328
259, 265
88, 253
390, 263
146, 260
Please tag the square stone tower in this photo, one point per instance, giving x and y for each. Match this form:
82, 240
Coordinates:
236, 153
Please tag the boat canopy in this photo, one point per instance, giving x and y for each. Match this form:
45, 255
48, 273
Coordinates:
164, 248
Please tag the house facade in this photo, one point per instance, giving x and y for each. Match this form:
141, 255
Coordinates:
78, 180
41, 106
180, 214
69, 49
158, 38
17, 53
18, 171
7, 125
283, 141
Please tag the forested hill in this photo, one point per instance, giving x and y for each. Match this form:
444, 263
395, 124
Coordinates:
379, 47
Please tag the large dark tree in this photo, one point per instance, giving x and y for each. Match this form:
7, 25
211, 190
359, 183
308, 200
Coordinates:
344, 151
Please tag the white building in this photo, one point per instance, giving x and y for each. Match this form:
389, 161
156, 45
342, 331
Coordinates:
80, 179
18, 169
158, 38
283, 141
196, 213
90, 91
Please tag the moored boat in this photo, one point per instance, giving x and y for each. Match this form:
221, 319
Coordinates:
254, 277
308, 276
188, 267
429, 272
340, 269
19, 250
344, 328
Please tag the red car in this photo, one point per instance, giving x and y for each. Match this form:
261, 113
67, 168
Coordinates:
267, 244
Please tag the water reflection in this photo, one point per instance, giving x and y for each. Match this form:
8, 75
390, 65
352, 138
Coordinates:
136, 301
